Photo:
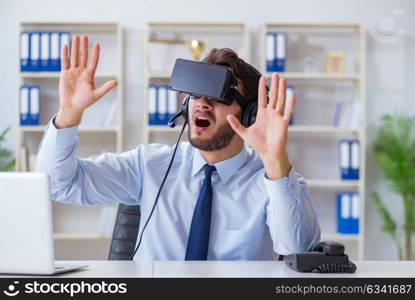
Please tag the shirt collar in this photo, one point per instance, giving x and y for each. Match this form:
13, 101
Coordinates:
225, 168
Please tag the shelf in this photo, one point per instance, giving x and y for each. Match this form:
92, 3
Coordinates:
80, 28
86, 128
333, 236
315, 25
195, 29
80, 236
69, 24
332, 183
321, 129
195, 24
158, 75
287, 75
57, 75
316, 76
164, 128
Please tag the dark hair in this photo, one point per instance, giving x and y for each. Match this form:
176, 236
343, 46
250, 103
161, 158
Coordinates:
240, 69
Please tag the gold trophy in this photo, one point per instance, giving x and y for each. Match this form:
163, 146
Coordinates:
196, 47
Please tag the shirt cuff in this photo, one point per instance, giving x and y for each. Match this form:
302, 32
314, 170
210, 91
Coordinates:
64, 137
287, 187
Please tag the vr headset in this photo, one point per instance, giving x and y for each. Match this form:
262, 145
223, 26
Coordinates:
216, 82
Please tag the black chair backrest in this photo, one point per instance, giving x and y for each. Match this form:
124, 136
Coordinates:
125, 232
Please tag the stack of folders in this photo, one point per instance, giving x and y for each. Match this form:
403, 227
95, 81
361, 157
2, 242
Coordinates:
289, 93
163, 104
276, 47
41, 51
29, 105
347, 114
348, 213
349, 159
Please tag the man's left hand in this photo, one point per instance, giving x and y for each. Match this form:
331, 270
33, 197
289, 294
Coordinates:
268, 135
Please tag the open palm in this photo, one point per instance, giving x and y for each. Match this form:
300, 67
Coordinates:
77, 90
268, 135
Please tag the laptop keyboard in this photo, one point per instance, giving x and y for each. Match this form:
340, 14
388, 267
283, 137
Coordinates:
59, 267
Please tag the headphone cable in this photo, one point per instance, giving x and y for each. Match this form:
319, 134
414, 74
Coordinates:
159, 191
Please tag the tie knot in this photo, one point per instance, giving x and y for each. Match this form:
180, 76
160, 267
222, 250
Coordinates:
208, 170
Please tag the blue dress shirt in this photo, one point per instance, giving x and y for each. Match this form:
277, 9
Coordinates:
252, 216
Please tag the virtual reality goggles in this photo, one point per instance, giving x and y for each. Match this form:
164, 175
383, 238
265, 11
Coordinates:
199, 79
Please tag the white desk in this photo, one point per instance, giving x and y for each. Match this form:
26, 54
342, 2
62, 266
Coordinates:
266, 269
102, 269
276, 269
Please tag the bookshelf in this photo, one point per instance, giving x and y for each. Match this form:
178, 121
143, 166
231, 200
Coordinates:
312, 137
82, 128
214, 35
318, 76
80, 236
324, 184
28, 75
79, 230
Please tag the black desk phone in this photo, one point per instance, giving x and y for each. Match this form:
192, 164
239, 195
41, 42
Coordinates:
327, 257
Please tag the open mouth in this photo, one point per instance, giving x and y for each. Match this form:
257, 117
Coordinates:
202, 121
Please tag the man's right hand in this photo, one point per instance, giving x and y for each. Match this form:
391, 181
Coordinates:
76, 85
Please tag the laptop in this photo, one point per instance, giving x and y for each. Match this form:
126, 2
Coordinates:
26, 231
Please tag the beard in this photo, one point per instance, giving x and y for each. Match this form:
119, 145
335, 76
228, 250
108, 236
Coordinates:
218, 141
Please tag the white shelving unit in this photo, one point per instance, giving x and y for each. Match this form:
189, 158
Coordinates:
82, 128
317, 76
214, 35
80, 236
318, 38
95, 137
104, 33
56, 75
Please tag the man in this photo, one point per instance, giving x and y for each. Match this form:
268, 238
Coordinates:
221, 201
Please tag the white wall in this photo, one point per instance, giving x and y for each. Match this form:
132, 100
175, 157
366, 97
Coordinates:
390, 66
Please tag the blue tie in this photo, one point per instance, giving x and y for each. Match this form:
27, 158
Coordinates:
197, 245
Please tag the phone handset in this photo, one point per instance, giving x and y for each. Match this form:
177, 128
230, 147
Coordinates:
330, 248
327, 257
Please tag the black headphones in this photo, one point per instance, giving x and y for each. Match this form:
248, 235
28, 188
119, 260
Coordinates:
248, 113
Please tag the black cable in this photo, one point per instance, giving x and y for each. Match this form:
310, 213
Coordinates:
158, 193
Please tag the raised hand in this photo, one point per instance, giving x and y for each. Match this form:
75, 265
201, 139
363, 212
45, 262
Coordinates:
268, 135
77, 90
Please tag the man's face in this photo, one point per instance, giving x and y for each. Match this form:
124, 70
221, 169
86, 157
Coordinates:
208, 128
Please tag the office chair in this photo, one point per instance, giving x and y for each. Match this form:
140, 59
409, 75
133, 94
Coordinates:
125, 232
